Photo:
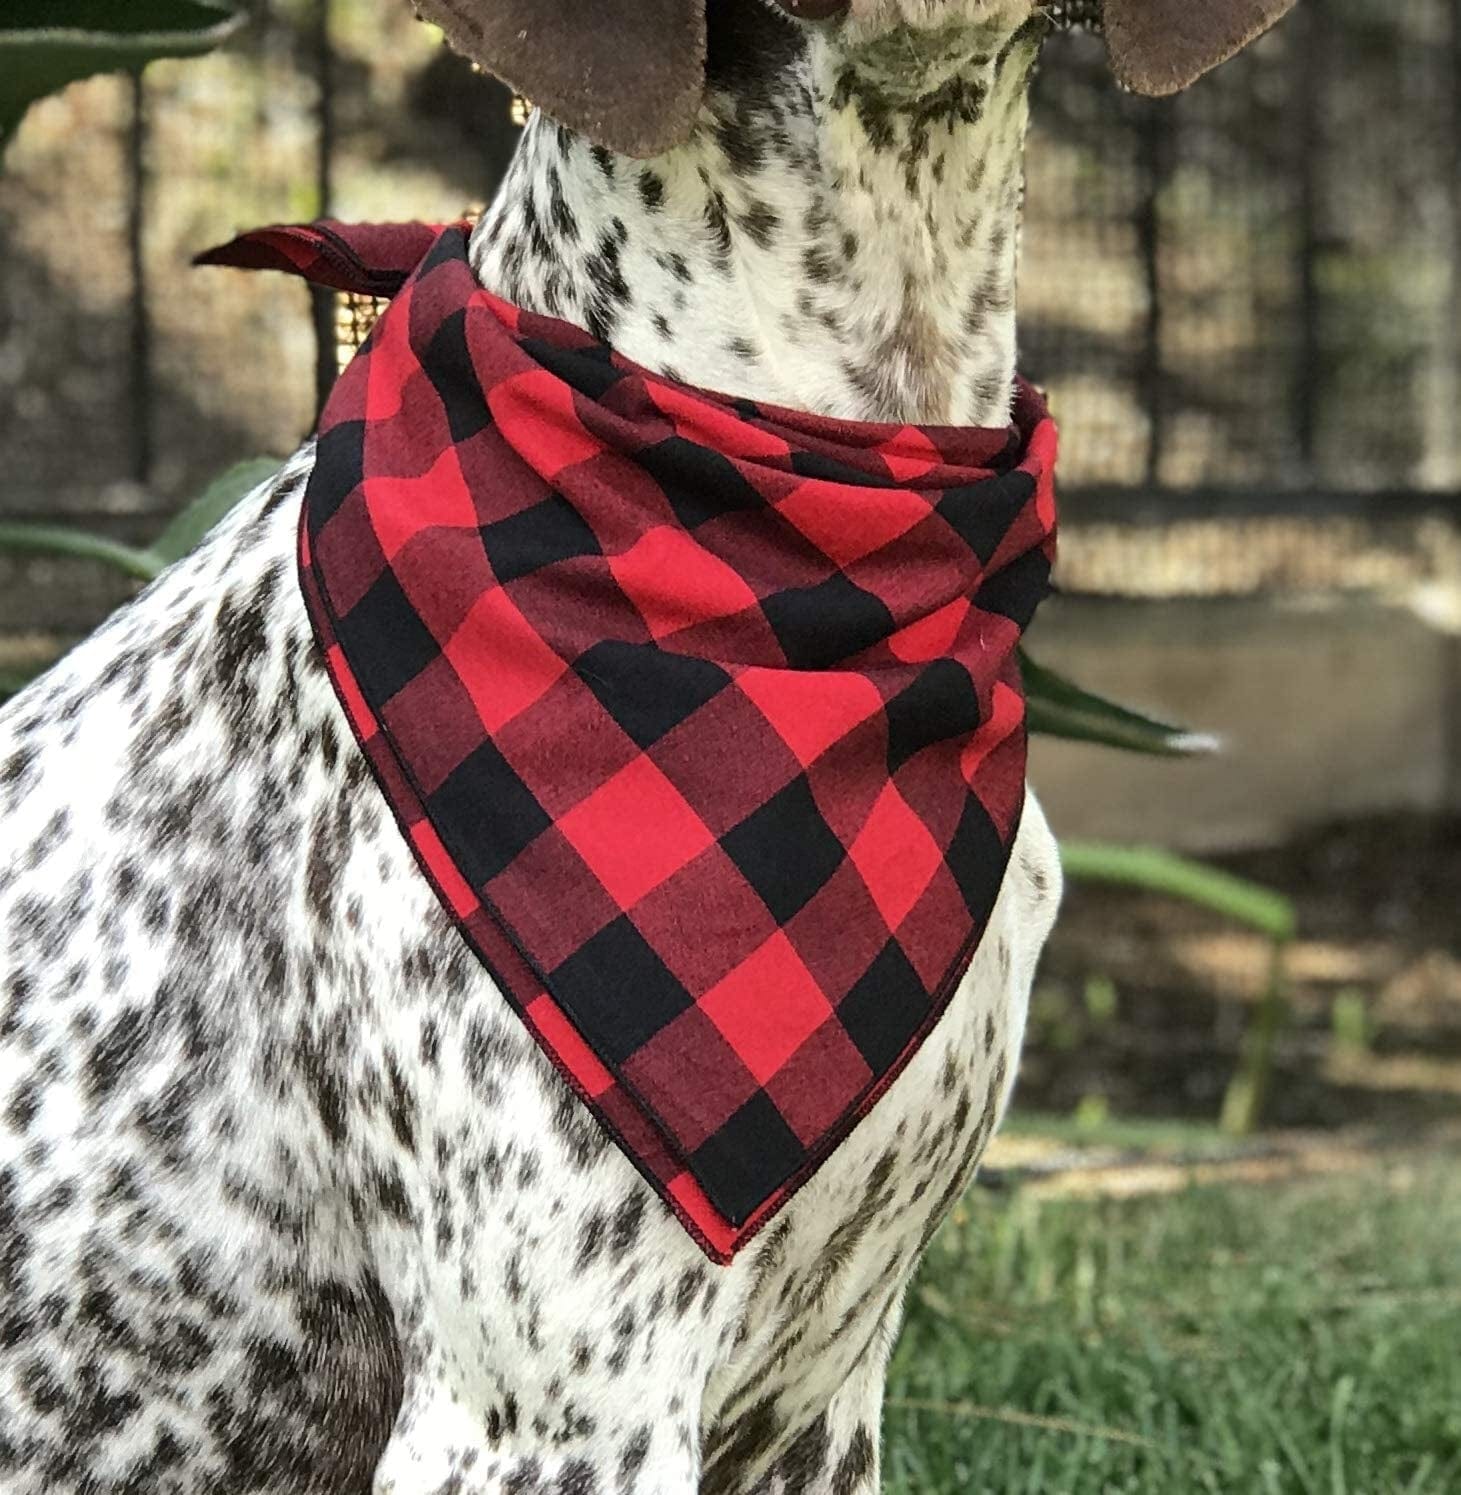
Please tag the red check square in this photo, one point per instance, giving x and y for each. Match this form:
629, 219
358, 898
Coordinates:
501, 659
767, 1007
393, 377
896, 856
675, 582
819, 510
708, 424
932, 636
635, 831
401, 508
538, 415
811, 709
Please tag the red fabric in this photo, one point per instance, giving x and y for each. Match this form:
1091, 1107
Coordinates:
703, 718
370, 259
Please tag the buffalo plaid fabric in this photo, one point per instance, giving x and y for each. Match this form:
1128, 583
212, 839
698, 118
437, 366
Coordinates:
703, 718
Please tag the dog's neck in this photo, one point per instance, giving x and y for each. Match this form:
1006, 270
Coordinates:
840, 235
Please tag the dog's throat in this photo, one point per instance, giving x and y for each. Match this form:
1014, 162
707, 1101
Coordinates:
819, 245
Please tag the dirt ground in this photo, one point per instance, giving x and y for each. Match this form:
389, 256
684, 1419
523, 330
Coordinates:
1142, 1002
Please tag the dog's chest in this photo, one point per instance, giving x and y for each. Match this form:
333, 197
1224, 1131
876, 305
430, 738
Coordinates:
543, 1234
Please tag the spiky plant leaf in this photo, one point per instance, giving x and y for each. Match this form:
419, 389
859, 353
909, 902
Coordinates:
46, 44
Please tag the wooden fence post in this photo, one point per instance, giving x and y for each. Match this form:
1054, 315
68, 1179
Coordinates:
1157, 122
1452, 329
322, 300
1309, 75
139, 351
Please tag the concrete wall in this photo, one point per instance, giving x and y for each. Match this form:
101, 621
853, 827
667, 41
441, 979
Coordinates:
1329, 709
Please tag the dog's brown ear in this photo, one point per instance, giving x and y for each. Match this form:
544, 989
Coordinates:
629, 74
1160, 46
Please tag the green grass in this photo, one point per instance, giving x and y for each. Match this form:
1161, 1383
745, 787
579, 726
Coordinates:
1303, 1337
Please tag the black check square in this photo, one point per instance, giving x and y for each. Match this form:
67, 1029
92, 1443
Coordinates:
826, 624
339, 469
982, 512
976, 856
385, 640
941, 703
491, 813
449, 367
747, 1158
699, 483
646, 689
829, 470
885, 1008
538, 536
1018, 590
786, 850
589, 370
619, 959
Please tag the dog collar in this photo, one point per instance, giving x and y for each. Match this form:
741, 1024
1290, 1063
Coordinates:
703, 718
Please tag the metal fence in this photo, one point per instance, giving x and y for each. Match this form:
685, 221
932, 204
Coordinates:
1269, 267
1244, 301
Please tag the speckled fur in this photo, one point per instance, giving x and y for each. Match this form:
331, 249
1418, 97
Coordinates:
289, 1201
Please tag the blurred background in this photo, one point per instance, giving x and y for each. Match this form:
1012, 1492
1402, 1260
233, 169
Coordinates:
1223, 1238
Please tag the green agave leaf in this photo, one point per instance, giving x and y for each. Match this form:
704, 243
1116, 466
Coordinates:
1144, 867
54, 539
1057, 707
12, 682
180, 536
226, 490
46, 44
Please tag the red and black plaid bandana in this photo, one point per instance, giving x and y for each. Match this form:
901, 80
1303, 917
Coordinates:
703, 718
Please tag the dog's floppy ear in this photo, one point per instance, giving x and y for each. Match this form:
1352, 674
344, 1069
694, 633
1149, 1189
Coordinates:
629, 74
1160, 46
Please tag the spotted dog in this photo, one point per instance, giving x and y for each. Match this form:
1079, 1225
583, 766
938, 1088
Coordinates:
289, 1199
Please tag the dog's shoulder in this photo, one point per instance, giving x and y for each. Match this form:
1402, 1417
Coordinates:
162, 792
189, 669
149, 782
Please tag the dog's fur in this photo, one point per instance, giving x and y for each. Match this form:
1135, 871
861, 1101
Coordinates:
289, 1200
